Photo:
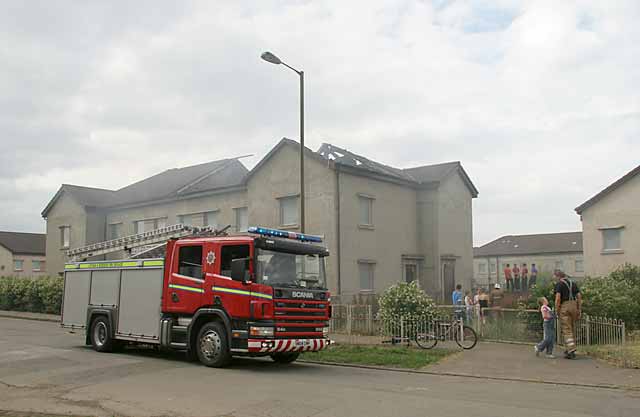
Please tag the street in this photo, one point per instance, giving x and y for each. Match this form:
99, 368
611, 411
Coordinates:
43, 368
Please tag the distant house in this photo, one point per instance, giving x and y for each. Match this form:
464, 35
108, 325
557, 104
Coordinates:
22, 254
611, 226
381, 224
548, 251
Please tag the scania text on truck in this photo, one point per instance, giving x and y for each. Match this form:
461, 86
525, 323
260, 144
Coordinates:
262, 293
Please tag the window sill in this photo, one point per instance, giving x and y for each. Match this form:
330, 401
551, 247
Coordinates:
612, 252
367, 291
366, 226
288, 226
18, 270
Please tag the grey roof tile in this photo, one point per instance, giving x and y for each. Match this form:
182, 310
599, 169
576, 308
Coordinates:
24, 243
570, 242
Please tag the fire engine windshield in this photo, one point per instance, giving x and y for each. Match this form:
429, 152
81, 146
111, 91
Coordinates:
290, 270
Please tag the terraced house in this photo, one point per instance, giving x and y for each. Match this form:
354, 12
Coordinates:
382, 224
22, 254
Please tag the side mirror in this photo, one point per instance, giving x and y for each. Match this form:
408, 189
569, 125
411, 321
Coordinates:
240, 270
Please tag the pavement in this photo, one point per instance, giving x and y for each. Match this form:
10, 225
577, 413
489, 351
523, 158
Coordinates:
46, 369
30, 316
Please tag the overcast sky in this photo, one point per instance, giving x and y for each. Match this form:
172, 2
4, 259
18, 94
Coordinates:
539, 100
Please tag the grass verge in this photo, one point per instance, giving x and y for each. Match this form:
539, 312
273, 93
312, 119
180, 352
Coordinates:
627, 356
395, 357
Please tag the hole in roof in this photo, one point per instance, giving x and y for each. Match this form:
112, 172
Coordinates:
339, 154
574, 243
515, 246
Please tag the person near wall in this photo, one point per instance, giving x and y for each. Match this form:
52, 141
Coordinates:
483, 301
468, 303
516, 277
496, 296
569, 308
457, 300
533, 277
524, 277
508, 278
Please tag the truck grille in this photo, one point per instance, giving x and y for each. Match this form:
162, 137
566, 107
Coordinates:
300, 319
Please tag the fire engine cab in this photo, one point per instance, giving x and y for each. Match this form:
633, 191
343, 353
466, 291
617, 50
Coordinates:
262, 293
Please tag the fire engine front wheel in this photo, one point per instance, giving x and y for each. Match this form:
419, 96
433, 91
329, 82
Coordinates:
285, 357
212, 346
101, 339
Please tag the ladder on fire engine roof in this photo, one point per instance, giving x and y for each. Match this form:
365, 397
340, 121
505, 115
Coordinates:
147, 241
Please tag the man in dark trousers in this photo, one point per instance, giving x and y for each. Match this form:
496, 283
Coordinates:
569, 308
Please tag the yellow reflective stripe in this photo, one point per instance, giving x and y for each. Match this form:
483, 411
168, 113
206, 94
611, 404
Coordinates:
241, 292
125, 264
153, 263
261, 295
71, 266
231, 290
185, 288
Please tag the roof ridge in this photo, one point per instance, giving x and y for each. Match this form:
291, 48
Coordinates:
88, 188
433, 165
608, 189
23, 233
226, 163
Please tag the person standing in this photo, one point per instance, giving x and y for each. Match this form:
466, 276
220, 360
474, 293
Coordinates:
457, 301
516, 277
569, 308
508, 277
533, 277
483, 301
549, 329
468, 303
524, 277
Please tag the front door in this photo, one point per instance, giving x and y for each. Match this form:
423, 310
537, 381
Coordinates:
448, 278
234, 296
186, 283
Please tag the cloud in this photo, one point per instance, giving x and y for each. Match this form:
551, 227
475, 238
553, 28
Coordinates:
539, 100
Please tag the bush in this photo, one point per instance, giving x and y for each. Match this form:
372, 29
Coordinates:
408, 301
615, 296
37, 295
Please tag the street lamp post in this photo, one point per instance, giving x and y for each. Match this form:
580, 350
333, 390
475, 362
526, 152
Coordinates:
269, 57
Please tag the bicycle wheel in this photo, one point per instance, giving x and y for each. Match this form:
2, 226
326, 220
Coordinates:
469, 337
426, 340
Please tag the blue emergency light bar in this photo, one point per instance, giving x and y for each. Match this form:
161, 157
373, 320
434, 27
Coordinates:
285, 234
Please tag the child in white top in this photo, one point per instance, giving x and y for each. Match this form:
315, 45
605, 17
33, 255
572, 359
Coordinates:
549, 327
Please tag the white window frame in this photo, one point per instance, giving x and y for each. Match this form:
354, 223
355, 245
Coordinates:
15, 265
581, 261
414, 264
181, 219
369, 264
156, 224
604, 231
560, 263
40, 265
482, 268
365, 199
296, 207
65, 237
116, 225
236, 212
492, 267
205, 218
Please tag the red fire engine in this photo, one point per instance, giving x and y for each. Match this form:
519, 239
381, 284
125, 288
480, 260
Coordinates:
263, 293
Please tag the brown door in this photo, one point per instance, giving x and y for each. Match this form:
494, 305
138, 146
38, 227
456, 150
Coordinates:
448, 279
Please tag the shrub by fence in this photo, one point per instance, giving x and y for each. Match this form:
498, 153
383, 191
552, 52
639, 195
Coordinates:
37, 295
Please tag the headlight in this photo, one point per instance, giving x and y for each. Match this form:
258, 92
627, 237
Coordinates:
261, 331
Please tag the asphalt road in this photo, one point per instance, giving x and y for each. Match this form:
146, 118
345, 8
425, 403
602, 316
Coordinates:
43, 368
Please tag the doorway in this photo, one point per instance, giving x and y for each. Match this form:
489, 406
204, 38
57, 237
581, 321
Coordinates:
448, 278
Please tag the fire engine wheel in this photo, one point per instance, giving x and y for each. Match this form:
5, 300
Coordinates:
285, 357
212, 346
101, 339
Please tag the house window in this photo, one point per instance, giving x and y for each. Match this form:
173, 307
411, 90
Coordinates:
141, 226
211, 219
365, 271
289, 211
611, 239
559, 265
186, 219
115, 230
242, 219
65, 236
366, 210
228, 254
190, 261
579, 265
492, 268
38, 266
482, 268
410, 272
18, 265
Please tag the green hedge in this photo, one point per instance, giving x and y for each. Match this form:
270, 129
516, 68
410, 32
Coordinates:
37, 295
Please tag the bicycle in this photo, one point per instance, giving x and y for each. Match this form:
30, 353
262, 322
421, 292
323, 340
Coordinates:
463, 335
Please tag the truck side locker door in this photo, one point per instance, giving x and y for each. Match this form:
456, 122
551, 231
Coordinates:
186, 280
235, 296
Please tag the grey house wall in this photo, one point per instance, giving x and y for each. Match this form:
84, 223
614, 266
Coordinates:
66, 212
392, 235
455, 228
